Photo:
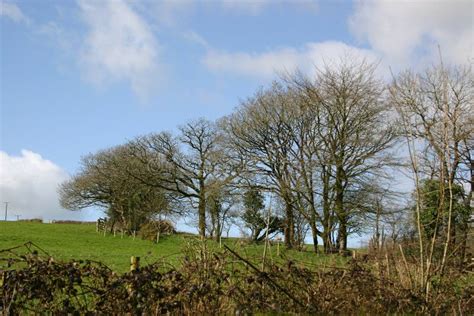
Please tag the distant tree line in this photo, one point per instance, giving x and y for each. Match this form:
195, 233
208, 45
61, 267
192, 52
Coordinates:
308, 153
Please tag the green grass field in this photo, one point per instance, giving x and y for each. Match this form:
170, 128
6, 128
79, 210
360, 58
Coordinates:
81, 241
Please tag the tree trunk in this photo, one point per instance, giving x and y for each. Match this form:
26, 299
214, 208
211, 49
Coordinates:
340, 212
112, 226
326, 234
465, 224
377, 226
327, 243
202, 213
342, 236
290, 225
218, 230
314, 232
212, 232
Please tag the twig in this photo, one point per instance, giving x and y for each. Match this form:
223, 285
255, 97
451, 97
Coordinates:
406, 265
265, 276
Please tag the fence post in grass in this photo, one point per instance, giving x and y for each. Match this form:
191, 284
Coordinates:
134, 263
158, 236
114, 231
134, 233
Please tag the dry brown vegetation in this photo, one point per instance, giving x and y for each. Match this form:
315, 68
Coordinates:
223, 282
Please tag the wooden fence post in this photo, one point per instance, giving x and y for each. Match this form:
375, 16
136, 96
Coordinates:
134, 263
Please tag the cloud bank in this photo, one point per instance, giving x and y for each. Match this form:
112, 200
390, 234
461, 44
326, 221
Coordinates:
119, 46
119, 43
398, 35
266, 65
171, 12
29, 183
255, 7
409, 31
13, 12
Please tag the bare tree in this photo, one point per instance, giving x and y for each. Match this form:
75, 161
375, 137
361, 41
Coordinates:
436, 107
192, 165
353, 129
258, 132
221, 204
104, 182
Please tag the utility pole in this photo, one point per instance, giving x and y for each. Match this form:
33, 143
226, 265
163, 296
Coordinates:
6, 210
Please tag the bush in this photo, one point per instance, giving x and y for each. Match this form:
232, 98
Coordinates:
71, 222
150, 229
209, 283
32, 220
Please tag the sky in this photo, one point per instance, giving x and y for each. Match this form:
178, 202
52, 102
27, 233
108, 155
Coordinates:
79, 76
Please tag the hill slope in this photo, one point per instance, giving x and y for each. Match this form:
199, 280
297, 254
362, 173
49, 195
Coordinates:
81, 241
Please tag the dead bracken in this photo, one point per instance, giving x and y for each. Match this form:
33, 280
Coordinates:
218, 282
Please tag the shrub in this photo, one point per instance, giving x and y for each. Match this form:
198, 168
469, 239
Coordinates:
150, 229
32, 220
71, 222
210, 283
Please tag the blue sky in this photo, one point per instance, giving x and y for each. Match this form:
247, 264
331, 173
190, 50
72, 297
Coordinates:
79, 76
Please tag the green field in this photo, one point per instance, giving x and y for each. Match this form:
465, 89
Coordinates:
81, 241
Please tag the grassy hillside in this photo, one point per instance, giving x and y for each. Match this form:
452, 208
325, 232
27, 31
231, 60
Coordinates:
81, 241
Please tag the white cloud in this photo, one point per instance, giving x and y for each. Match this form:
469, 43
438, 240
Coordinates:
194, 37
255, 7
408, 32
266, 65
171, 12
29, 183
119, 46
246, 6
12, 11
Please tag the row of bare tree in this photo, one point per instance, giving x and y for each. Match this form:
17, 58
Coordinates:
326, 147
435, 111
